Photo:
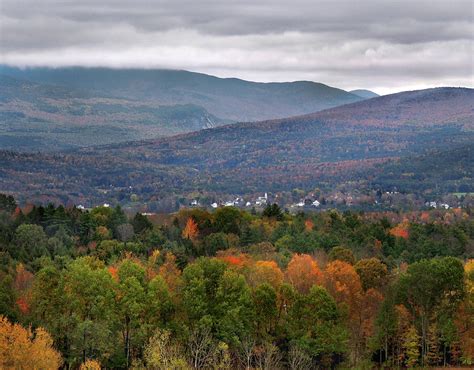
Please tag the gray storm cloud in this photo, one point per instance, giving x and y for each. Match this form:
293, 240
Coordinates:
381, 45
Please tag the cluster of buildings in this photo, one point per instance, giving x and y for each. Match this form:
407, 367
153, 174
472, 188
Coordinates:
261, 201
306, 203
437, 205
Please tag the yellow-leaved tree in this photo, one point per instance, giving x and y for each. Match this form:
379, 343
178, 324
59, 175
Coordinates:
21, 348
90, 365
465, 316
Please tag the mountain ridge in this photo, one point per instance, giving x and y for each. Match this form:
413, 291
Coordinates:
364, 93
49, 117
229, 98
327, 114
335, 146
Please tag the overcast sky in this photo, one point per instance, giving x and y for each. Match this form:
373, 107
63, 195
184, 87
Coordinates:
381, 45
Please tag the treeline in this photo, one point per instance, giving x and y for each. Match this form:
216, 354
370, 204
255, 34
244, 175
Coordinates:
230, 289
434, 173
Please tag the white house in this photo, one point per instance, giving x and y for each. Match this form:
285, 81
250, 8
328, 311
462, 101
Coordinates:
262, 200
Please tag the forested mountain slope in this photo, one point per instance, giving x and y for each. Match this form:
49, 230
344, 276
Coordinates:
448, 171
320, 149
228, 98
42, 117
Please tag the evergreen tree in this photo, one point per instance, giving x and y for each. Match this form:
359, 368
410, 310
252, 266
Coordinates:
141, 223
273, 211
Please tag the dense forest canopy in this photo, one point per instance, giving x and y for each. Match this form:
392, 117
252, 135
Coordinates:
233, 289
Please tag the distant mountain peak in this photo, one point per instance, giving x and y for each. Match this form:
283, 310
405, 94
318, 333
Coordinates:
363, 93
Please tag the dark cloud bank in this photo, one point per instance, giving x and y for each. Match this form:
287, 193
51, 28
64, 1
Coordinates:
382, 45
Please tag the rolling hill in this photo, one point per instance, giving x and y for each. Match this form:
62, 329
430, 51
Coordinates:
41, 117
348, 143
228, 98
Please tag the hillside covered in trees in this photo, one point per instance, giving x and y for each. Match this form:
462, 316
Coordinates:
47, 118
231, 289
447, 171
229, 98
47, 110
347, 144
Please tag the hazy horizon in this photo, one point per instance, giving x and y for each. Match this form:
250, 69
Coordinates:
233, 77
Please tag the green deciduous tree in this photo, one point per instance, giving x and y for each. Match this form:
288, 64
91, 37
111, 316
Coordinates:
372, 272
228, 220
431, 287
89, 301
31, 243
342, 254
314, 323
130, 304
265, 303
218, 298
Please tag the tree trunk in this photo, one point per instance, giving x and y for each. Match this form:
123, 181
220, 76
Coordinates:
84, 347
127, 339
423, 339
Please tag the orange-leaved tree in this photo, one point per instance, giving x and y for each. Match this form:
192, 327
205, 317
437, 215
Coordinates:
170, 272
22, 284
401, 230
191, 230
343, 282
303, 272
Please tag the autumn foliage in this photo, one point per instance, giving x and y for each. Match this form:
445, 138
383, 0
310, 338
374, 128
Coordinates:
250, 291
191, 230
22, 348
170, 272
90, 365
400, 231
265, 272
342, 281
303, 272
234, 259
